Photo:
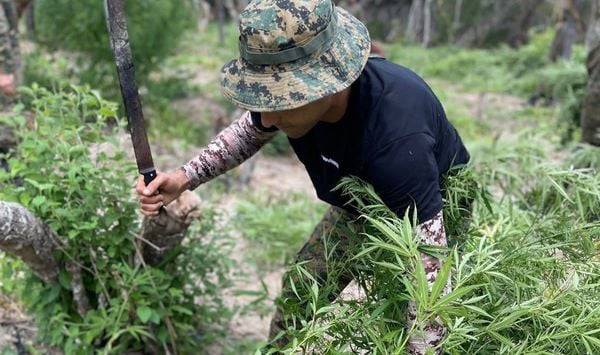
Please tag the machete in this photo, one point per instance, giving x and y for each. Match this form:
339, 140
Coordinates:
119, 41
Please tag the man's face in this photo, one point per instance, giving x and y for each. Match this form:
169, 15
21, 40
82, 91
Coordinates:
295, 123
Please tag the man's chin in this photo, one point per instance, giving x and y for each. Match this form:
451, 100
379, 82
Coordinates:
295, 133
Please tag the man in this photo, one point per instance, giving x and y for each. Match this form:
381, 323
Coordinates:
304, 69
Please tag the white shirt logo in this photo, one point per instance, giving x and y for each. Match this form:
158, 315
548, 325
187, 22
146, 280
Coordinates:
330, 161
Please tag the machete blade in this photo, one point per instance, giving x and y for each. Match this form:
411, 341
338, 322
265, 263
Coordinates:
119, 41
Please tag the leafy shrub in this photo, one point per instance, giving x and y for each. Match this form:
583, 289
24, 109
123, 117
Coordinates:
154, 29
75, 181
78, 32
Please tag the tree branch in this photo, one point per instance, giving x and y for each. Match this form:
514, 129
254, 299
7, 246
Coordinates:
79, 295
28, 238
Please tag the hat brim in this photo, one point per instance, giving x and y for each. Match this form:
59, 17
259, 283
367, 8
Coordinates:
265, 88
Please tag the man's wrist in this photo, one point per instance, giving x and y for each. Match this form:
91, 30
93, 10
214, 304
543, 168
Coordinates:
183, 180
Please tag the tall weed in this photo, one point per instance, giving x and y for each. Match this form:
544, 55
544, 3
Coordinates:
526, 276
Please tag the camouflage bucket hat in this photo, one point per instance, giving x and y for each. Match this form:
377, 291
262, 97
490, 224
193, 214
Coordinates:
293, 52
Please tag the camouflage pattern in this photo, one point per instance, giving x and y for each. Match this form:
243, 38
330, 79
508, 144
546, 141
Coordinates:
10, 58
228, 149
9, 40
274, 26
320, 261
429, 337
9, 64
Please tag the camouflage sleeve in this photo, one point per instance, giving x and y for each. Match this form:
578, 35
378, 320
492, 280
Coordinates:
228, 149
5, 43
8, 36
431, 334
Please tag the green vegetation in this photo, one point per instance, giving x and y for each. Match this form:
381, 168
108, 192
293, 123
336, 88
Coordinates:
525, 278
526, 72
276, 228
70, 172
80, 27
526, 273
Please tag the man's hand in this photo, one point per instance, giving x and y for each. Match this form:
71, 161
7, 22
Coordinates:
164, 189
7, 84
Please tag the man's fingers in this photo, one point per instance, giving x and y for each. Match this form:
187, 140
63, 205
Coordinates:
152, 187
151, 200
151, 207
140, 185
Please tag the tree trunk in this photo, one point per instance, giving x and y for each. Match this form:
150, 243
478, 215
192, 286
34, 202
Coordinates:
593, 31
221, 18
427, 23
21, 6
477, 33
520, 33
590, 118
455, 20
28, 238
30, 20
566, 31
164, 232
414, 28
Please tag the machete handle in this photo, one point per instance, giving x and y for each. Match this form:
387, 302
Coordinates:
149, 175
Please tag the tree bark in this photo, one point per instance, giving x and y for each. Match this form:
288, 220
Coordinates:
164, 232
566, 31
590, 118
476, 34
427, 23
78, 288
28, 238
520, 33
414, 28
221, 18
593, 31
455, 20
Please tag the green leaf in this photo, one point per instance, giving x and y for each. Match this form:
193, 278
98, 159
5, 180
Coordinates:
155, 318
144, 313
64, 278
182, 310
53, 294
38, 200
441, 279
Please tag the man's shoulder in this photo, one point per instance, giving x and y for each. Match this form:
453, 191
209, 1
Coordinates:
395, 103
393, 76
390, 91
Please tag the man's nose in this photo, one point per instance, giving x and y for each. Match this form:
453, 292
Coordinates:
269, 119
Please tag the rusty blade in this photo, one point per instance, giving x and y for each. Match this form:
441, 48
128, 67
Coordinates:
119, 41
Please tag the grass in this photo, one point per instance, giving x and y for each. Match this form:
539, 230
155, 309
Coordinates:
276, 228
497, 70
525, 280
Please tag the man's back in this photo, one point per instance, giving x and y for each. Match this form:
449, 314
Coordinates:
394, 135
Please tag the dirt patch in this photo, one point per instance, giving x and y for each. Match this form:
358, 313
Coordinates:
482, 105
